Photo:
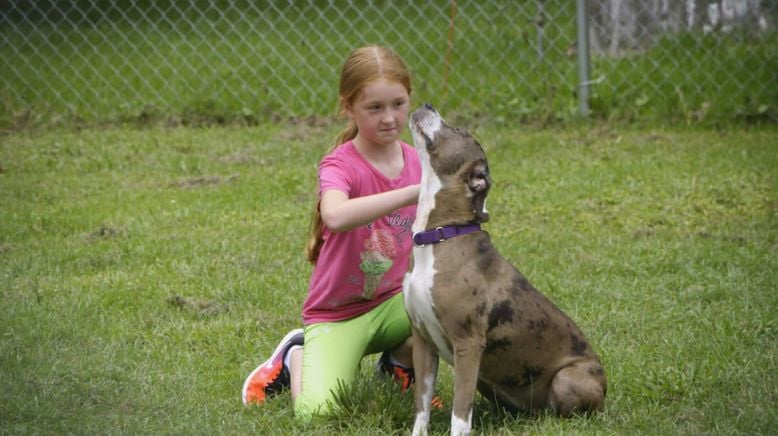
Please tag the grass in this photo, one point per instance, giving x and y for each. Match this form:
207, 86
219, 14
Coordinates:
661, 243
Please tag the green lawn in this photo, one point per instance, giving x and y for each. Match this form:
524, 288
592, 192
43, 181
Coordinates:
662, 244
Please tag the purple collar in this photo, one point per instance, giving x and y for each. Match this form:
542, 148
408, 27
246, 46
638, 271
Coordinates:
440, 234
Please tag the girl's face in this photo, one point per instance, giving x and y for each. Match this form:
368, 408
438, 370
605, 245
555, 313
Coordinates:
381, 112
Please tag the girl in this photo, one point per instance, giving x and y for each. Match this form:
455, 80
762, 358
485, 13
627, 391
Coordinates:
360, 245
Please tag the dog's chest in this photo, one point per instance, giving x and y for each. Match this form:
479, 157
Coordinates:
417, 288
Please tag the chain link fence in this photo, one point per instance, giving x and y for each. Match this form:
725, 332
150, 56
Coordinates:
240, 59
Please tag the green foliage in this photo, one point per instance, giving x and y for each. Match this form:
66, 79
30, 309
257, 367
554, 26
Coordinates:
146, 272
692, 79
244, 65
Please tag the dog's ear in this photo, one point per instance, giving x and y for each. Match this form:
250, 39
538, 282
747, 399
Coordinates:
479, 183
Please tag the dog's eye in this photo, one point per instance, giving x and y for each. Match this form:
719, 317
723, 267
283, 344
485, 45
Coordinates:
482, 176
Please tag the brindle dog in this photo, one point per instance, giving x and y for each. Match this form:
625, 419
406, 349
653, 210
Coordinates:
470, 306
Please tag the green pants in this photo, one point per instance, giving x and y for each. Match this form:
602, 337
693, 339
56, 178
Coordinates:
333, 350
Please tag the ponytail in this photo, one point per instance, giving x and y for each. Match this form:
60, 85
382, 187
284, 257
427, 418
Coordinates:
316, 232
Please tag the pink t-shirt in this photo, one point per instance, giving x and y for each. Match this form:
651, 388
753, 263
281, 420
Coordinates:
359, 269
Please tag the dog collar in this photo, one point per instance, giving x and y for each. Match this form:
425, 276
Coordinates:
440, 234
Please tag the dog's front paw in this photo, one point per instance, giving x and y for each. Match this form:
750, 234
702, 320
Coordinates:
420, 425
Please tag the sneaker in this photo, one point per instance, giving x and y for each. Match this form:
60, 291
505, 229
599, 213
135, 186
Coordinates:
401, 374
404, 376
272, 376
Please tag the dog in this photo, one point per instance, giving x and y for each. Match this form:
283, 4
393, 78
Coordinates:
470, 306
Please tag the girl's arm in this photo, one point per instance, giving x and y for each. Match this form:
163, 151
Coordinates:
340, 213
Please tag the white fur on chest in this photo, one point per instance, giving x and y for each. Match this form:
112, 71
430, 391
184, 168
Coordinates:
419, 282
417, 289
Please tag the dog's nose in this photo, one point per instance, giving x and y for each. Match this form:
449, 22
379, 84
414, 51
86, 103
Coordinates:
429, 106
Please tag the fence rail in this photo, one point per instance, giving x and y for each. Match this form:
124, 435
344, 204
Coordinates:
98, 59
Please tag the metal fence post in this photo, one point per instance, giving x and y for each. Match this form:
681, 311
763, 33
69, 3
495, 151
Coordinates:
582, 25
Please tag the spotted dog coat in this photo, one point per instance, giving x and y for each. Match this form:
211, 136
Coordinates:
471, 307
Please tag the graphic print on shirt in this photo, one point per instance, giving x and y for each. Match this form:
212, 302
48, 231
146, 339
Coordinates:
377, 258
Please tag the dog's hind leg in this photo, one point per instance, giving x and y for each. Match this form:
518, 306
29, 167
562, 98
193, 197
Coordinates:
578, 388
425, 367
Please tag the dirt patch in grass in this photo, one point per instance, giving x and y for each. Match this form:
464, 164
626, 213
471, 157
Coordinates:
197, 306
103, 232
201, 181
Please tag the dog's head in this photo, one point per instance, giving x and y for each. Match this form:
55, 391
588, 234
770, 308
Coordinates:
457, 161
